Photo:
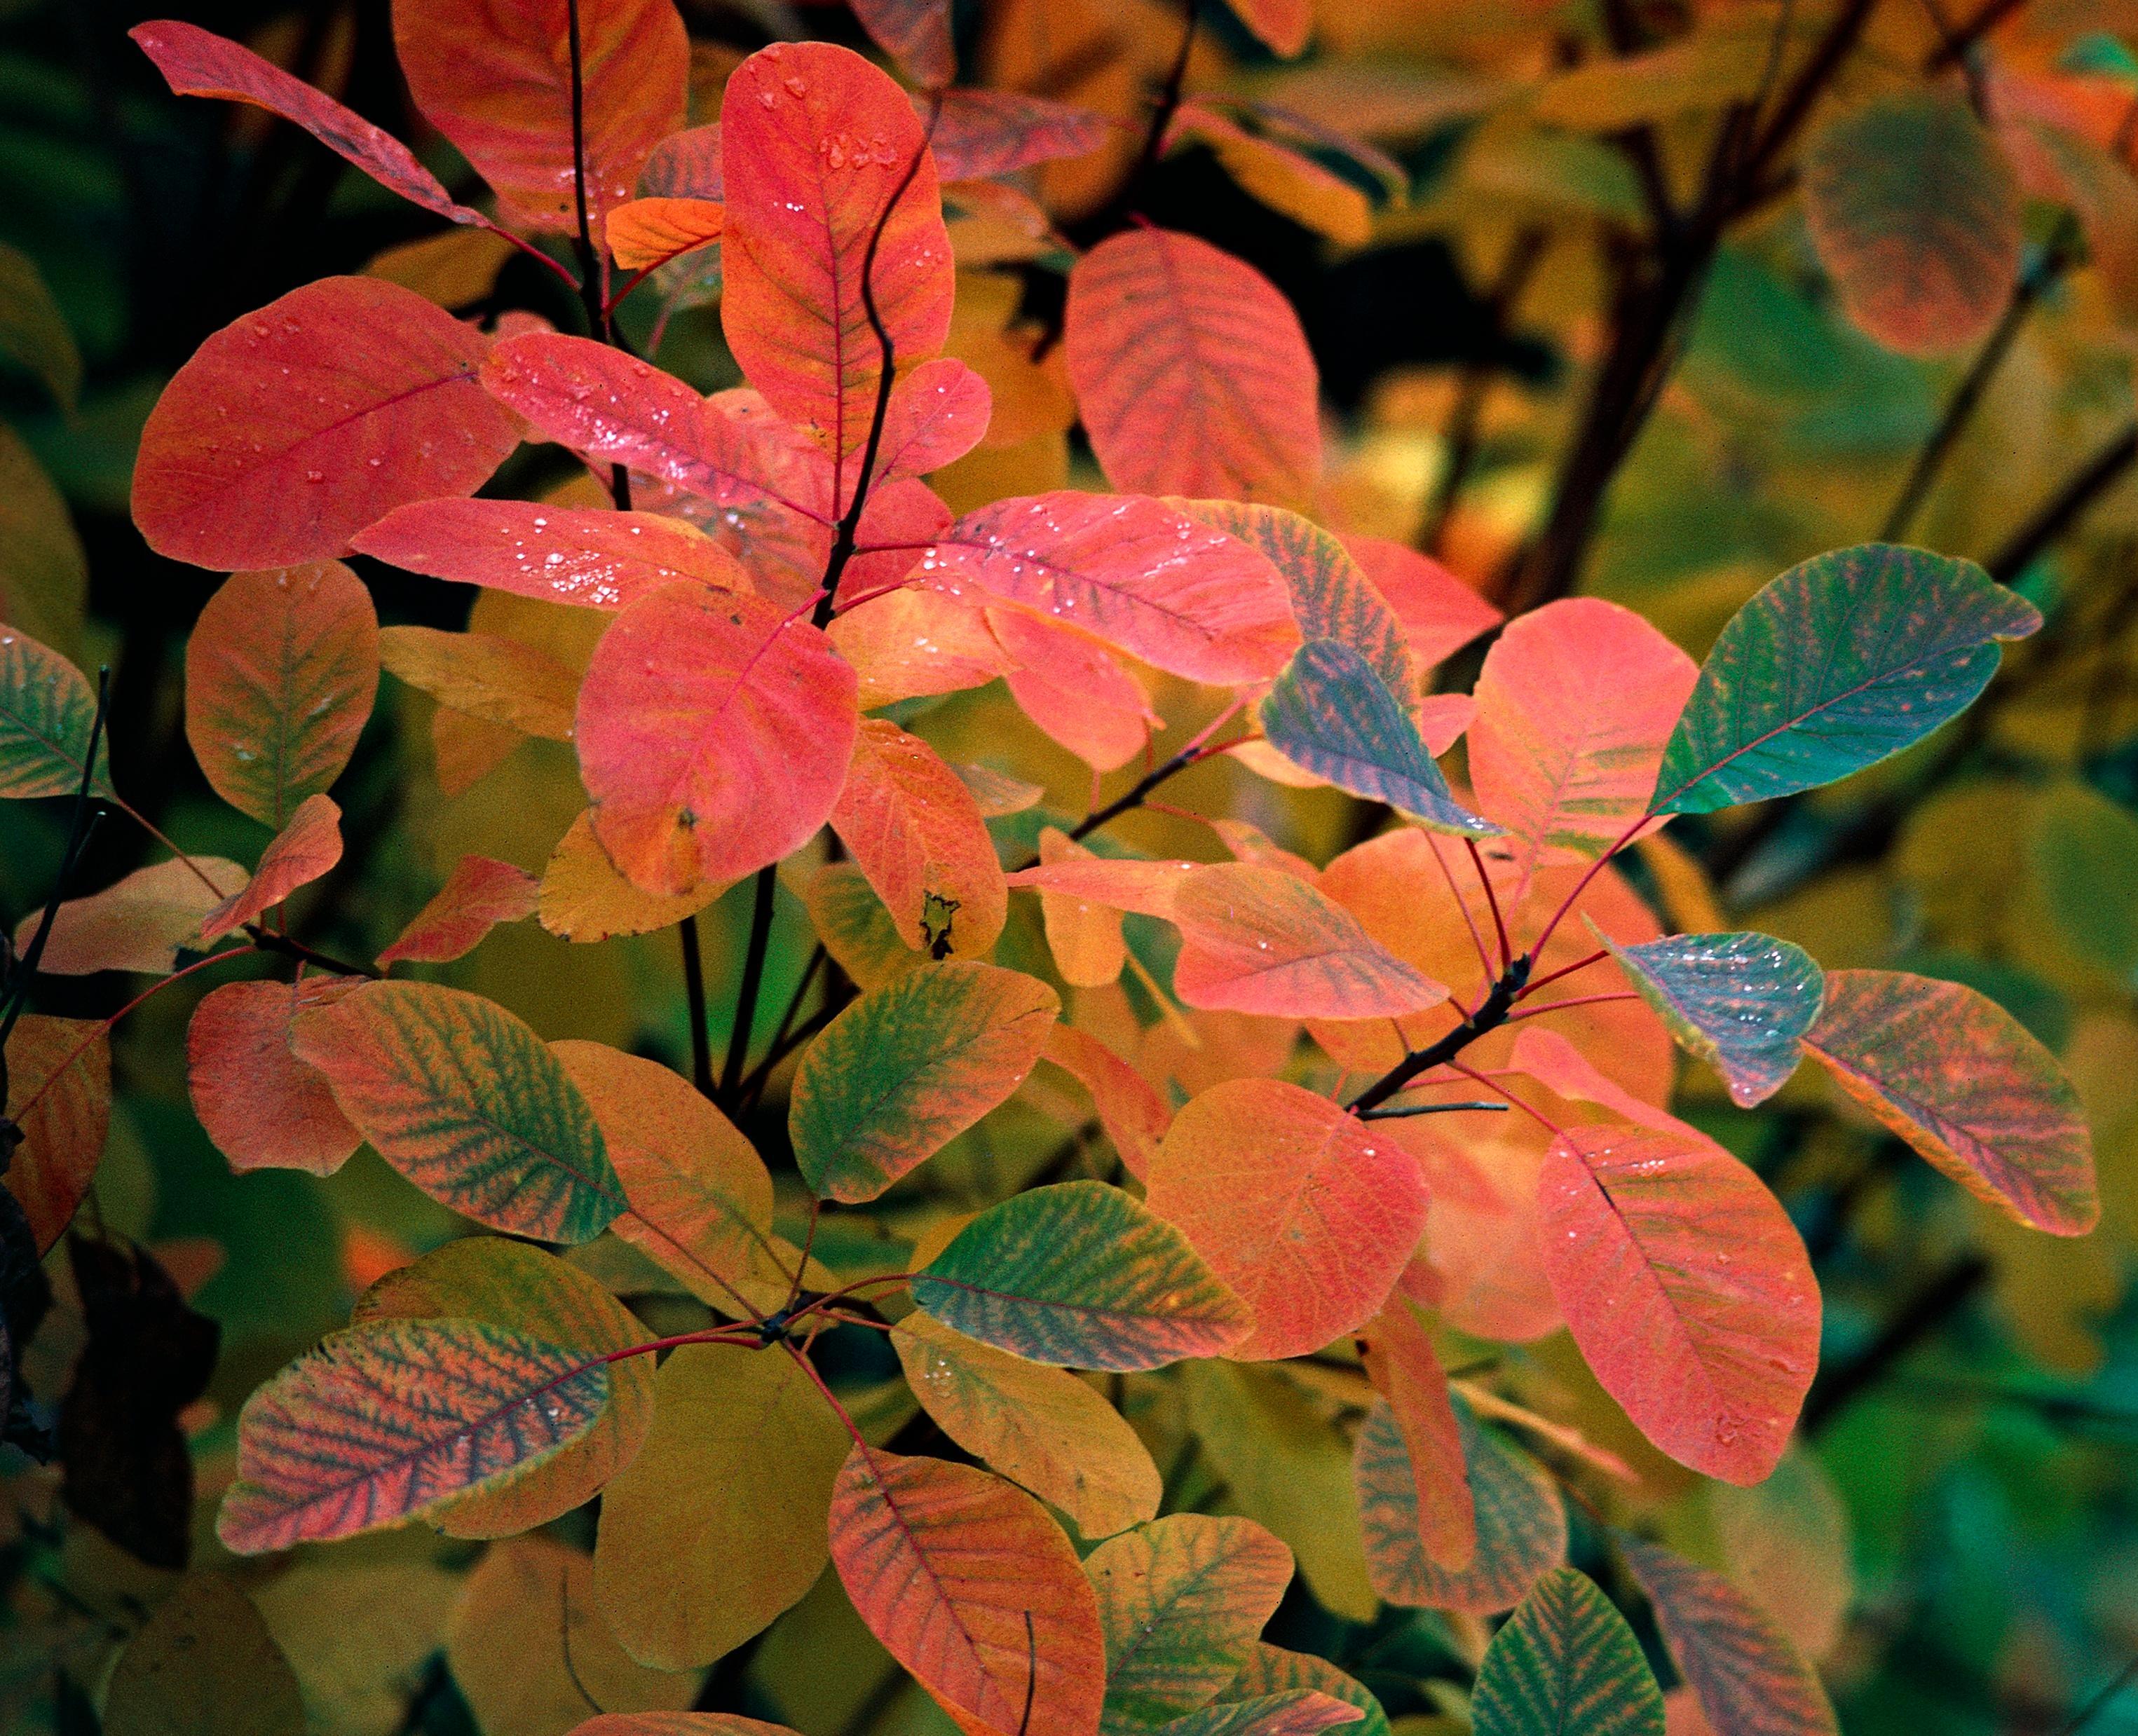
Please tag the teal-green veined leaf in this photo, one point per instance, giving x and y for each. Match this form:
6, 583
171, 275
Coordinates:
1566, 1660
1081, 1275
1965, 1083
1272, 1669
1330, 714
1841, 662
1182, 1601
1741, 1003
1749, 1680
469, 1103
517, 1287
910, 1066
1522, 1525
388, 1420
1301, 1712
47, 710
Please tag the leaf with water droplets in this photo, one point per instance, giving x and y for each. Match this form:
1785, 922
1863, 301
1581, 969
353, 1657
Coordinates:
294, 427
1741, 1003
1081, 1275
938, 412
1308, 1213
1687, 1288
1566, 1660
1841, 662
1968, 1086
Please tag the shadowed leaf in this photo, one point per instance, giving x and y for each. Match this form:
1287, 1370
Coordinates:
1963, 1082
678, 1723
910, 1066
138, 923
501, 681
1566, 1661
59, 1095
1081, 1275
1741, 1003
1839, 663
916, 33
264, 1108
584, 899
984, 133
46, 710
1687, 1288
203, 1664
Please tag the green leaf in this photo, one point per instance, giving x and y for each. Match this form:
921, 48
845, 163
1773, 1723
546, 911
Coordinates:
1566, 1660
33, 332
520, 1288
203, 1664
1330, 714
1963, 1082
1181, 1602
1741, 1003
46, 710
1272, 1669
910, 1066
2083, 854
390, 1419
1841, 662
469, 1103
1300, 1713
1081, 1275
1522, 1525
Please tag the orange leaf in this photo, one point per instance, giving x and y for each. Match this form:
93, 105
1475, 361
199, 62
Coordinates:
59, 1093
479, 893
1192, 372
1440, 614
1076, 691
1309, 1213
1150, 888
974, 1589
911, 644
303, 850
138, 923
584, 899
1399, 1359
714, 735
644, 233
1085, 936
264, 1108
486, 675
1129, 1108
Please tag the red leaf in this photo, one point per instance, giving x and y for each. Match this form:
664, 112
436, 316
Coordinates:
1397, 1352
294, 427
497, 81
1282, 25
714, 734
480, 893
983, 133
1075, 689
1307, 1212
1132, 572
197, 62
603, 560
303, 850
916, 33
937, 414
816, 142
264, 1108
1440, 614
1192, 372
1687, 1288
947, 1565
1150, 888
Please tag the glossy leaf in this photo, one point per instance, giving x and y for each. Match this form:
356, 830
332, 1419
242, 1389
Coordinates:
816, 145
517, 1288
1965, 1083
917, 833
1916, 214
59, 1095
389, 1420
294, 427
602, 560
1839, 663
643, 234
280, 670
1574, 704
497, 81
1331, 715
947, 1565
911, 644
1566, 1661
985, 133
711, 1531
263, 1107
480, 893
938, 412
138, 923
714, 732
1687, 1288
1256, 939
1133, 573
1043, 1428
197, 62
1079, 1274
299, 853
466, 1101
1191, 371
1747, 1677
46, 710
1399, 1358
1522, 1525
910, 1066
1741, 1003
700, 1196
1181, 1603
1309, 1214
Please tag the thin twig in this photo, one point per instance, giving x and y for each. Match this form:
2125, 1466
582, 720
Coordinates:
753, 974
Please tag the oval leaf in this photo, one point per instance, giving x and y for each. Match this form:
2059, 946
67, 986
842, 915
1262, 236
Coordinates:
297, 854
1566, 1661
910, 1066
480, 893
1687, 1288
1965, 1083
264, 1108
1081, 1275
47, 708
1741, 1003
1841, 662
1399, 1358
